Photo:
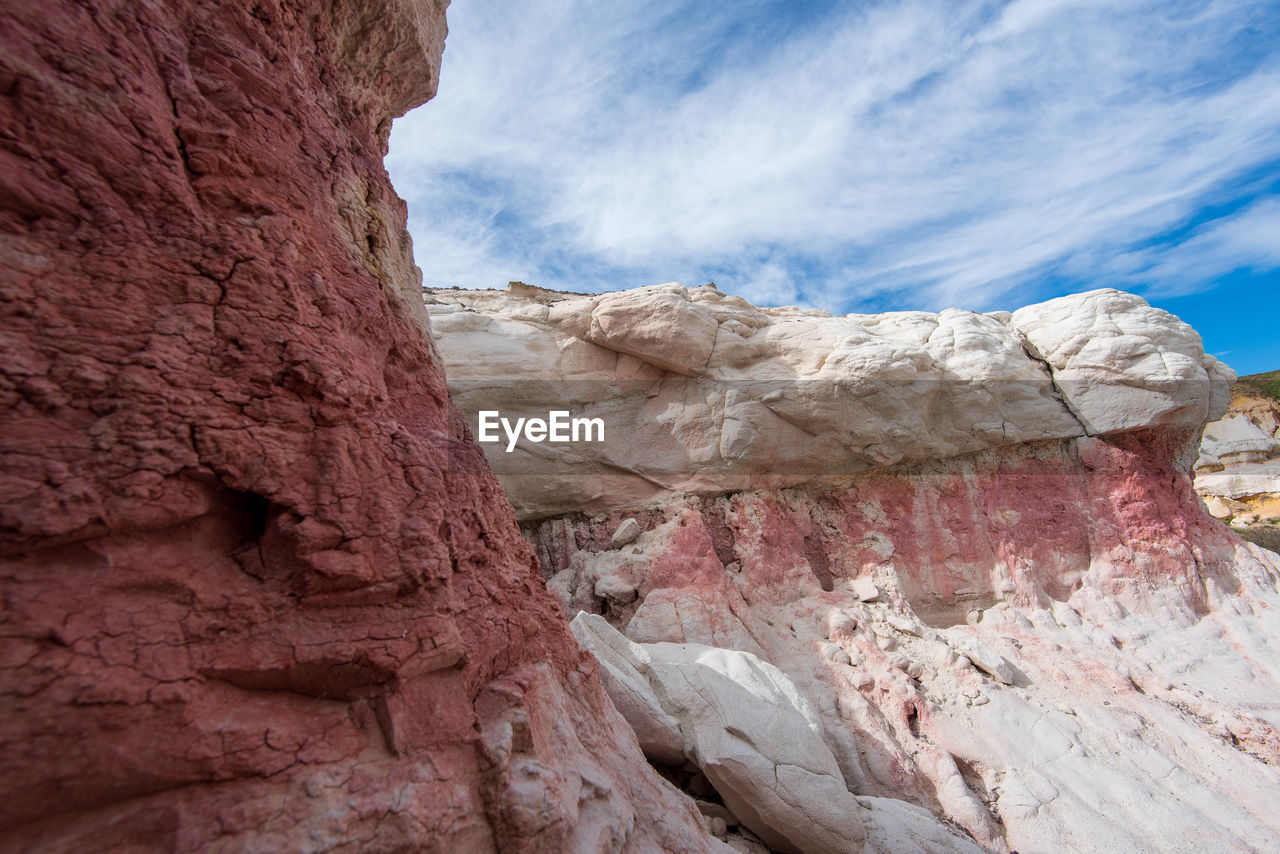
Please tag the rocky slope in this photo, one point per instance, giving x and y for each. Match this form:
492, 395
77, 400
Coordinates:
1238, 470
260, 590
980, 567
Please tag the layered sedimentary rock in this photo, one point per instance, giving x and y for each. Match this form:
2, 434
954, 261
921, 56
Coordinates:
1238, 470
1005, 601
702, 392
261, 591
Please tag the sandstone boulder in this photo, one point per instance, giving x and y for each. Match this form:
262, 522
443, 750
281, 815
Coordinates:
625, 533
896, 827
660, 326
1121, 364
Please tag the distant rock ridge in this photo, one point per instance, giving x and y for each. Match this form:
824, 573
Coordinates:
702, 392
1238, 470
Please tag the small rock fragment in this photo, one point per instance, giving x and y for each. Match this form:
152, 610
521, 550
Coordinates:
985, 659
840, 624
864, 589
615, 588
713, 810
905, 624
834, 653
626, 533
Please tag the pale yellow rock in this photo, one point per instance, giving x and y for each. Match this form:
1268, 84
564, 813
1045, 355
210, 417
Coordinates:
1238, 470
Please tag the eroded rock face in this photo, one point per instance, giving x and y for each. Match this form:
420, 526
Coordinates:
702, 392
1011, 611
261, 591
1062, 653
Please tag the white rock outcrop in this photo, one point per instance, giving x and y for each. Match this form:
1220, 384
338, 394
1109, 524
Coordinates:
967, 544
758, 741
1121, 364
745, 726
701, 392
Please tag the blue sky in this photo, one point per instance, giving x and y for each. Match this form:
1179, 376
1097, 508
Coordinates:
862, 156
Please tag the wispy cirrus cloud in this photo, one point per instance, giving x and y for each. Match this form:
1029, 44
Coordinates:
1248, 239
884, 155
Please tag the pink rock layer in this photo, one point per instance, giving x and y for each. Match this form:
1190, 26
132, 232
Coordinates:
1025, 525
261, 591
1062, 649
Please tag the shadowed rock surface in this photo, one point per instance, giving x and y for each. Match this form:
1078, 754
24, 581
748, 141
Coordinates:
260, 590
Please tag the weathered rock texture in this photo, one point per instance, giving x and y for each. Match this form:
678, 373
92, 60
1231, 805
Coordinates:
755, 737
702, 392
1238, 471
1037, 634
260, 589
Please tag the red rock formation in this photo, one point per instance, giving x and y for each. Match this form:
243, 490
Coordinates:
260, 589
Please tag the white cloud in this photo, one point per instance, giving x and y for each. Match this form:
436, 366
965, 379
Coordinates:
925, 152
1246, 239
